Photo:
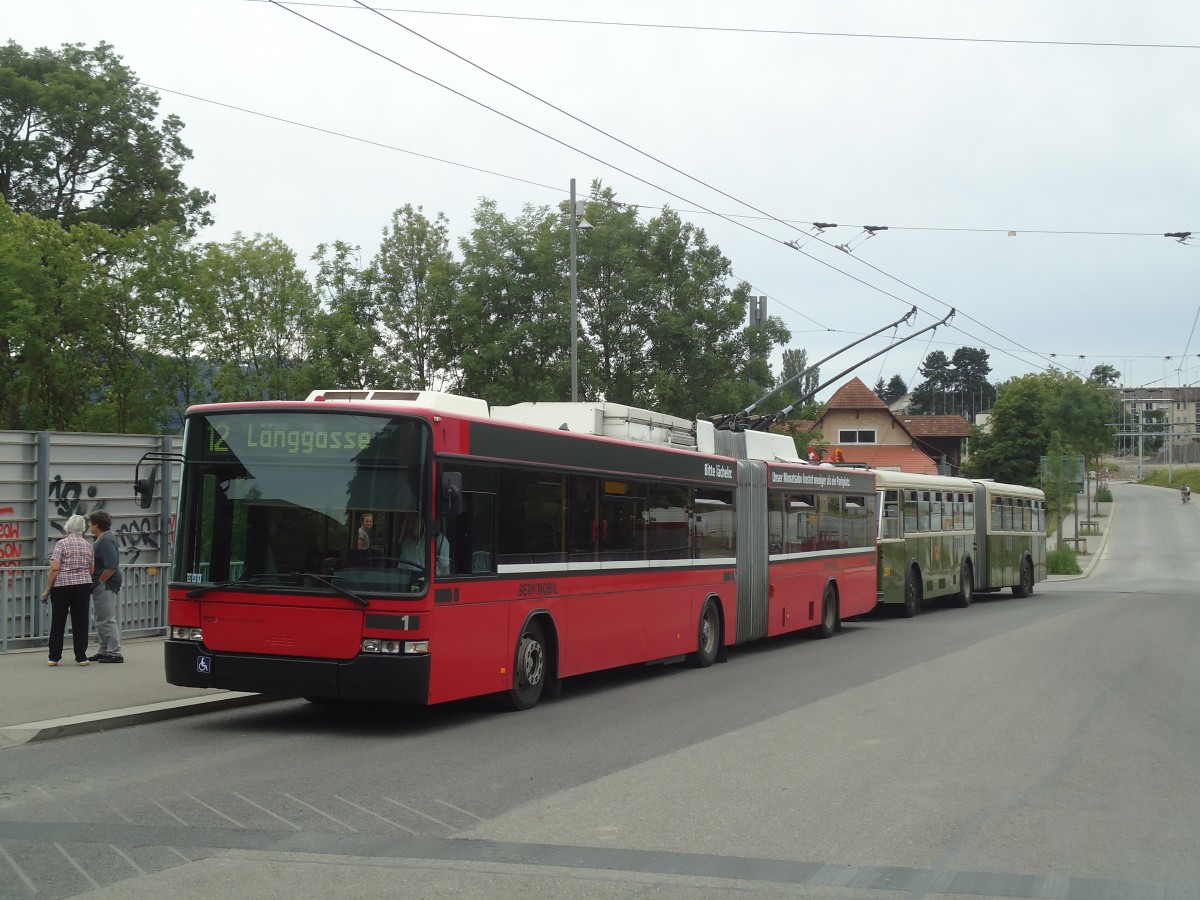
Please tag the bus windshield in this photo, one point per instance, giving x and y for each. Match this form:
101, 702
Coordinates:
302, 499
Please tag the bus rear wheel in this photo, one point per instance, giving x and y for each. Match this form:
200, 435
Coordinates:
529, 668
1025, 588
708, 637
966, 586
912, 594
829, 615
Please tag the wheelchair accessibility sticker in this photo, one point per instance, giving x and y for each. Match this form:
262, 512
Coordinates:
204, 664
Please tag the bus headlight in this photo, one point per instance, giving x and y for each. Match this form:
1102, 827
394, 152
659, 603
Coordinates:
186, 633
386, 646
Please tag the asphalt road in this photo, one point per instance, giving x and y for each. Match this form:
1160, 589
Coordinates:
1044, 747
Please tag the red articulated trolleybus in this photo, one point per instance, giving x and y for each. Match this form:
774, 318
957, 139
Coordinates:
421, 547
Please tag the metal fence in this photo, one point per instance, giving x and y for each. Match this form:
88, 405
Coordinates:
25, 620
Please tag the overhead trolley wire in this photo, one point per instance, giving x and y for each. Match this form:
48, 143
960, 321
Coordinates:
567, 145
626, 144
728, 218
765, 31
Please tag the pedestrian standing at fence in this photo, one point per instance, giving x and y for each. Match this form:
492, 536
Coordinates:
106, 584
68, 587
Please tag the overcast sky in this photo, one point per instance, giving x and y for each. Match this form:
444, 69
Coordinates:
951, 122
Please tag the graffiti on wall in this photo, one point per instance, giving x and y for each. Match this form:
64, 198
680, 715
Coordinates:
132, 536
10, 540
66, 496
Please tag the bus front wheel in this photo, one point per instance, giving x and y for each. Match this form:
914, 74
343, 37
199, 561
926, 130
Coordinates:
912, 594
708, 637
1025, 588
529, 668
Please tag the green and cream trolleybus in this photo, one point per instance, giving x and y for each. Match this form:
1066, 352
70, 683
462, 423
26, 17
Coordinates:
949, 537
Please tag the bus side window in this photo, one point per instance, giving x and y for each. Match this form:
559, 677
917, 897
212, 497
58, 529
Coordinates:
466, 543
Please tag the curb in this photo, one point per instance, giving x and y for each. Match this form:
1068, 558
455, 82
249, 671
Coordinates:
15, 735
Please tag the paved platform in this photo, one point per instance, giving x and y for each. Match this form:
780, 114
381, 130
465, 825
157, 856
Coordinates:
38, 701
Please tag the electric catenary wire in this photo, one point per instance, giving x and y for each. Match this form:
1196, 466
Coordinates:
793, 244
766, 31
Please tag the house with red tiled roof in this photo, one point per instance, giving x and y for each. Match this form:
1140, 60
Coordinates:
860, 428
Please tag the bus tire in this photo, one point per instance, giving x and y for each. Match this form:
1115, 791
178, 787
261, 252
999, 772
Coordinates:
1025, 587
966, 586
830, 621
530, 668
708, 637
912, 593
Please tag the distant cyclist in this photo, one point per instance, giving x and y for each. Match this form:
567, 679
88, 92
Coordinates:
1185, 493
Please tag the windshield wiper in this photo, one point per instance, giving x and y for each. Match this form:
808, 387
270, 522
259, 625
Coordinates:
216, 586
361, 601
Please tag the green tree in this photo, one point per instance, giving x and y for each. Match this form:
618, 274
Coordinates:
1105, 375
795, 362
665, 330
1082, 411
259, 310
972, 391
174, 324
955, 384
658, 324
1013, 447
79, 142
896, 388
510, 335
124, 276
1058, 476
47, 320
936, 371
1029, 410
346, 338
414, 279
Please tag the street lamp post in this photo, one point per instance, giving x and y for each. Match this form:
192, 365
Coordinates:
574, 307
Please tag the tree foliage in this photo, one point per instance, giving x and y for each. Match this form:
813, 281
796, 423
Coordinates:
1106, 375
893, 390
47, 320
258, 310
804, 384
347, 338
79, 143
414, 281
956, 384
1083, 412
658, 326
510, 337
1028, 411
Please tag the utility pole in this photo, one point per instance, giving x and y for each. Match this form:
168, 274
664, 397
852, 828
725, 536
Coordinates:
574, 307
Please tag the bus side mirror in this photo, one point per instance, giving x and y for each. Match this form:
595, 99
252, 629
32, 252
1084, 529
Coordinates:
143, 488
452, 494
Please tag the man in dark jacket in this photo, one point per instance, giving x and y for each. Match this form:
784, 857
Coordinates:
106, 583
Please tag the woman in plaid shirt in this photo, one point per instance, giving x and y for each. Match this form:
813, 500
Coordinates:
69, 587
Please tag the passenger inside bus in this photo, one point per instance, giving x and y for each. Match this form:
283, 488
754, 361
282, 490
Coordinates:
360, 554
409, 546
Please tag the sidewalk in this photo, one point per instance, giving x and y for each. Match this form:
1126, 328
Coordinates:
95, 697
1095, 543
